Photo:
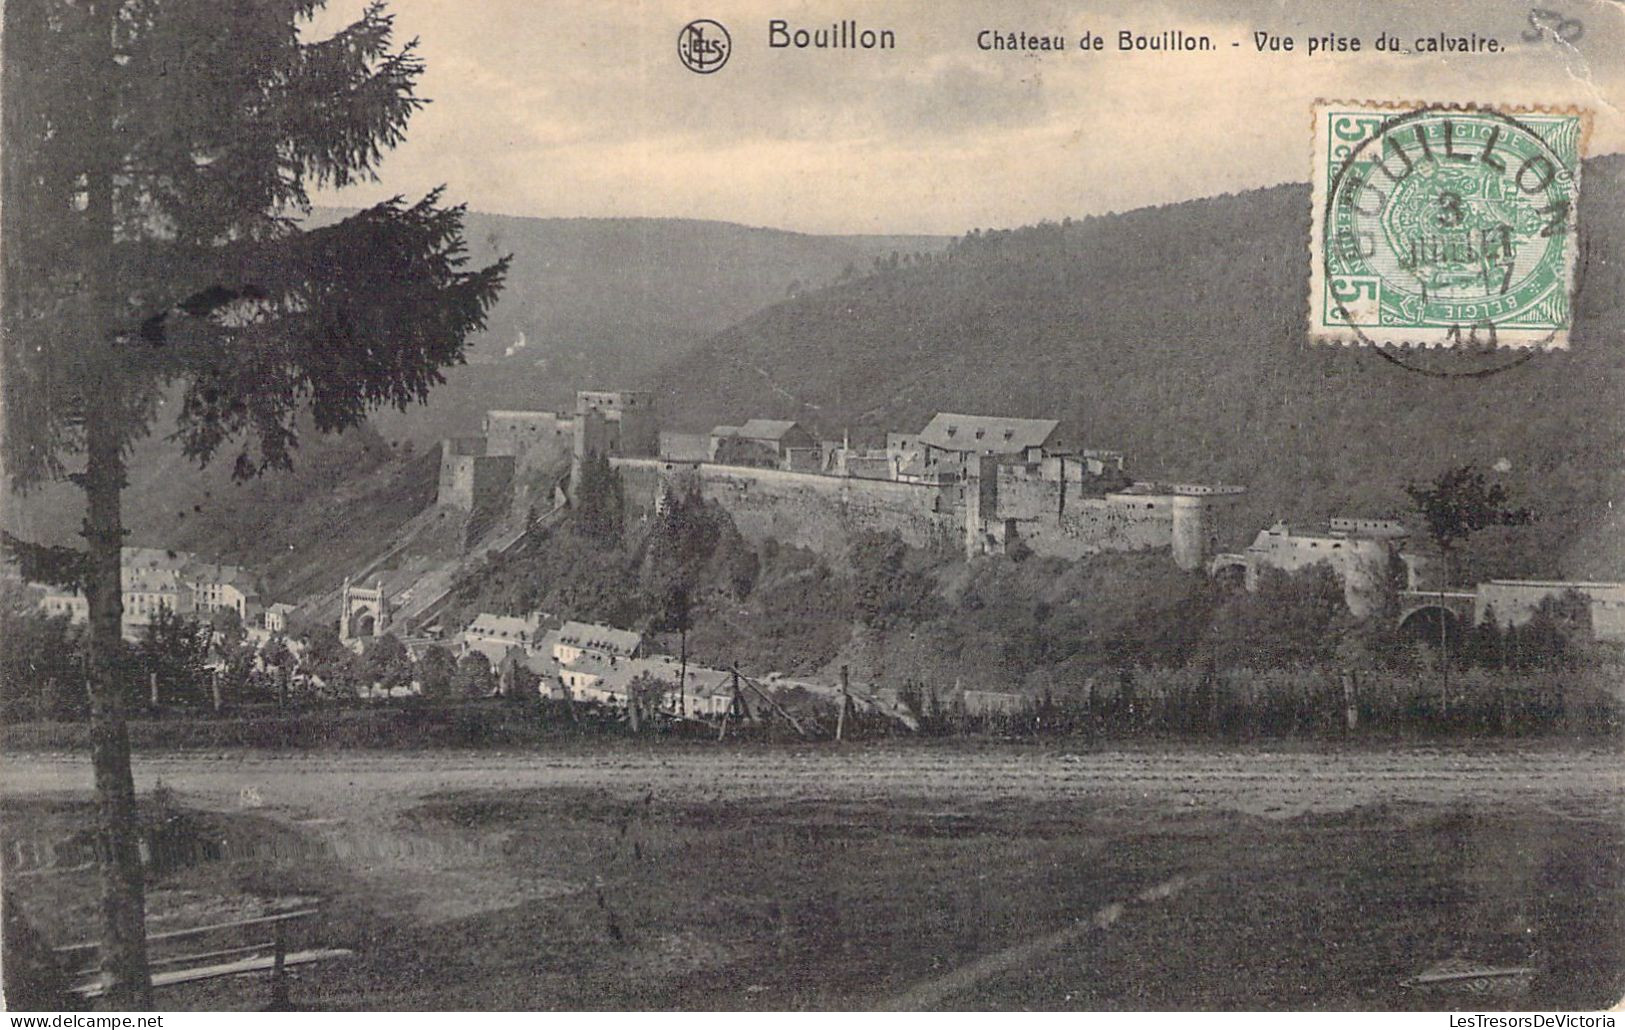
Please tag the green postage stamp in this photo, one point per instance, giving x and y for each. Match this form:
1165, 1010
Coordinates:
1444, 226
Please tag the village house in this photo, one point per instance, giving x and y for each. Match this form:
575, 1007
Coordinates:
276, 617
575, 639
156, 578
949, 443
1361, 552
494, 635
608, 680
766, 443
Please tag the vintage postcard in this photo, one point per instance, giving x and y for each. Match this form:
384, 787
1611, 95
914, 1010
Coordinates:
746, 506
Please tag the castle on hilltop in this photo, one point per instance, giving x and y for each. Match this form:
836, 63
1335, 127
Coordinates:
983, 484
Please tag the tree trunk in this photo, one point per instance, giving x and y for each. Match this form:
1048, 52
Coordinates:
124, 942
124, 937
1444, 640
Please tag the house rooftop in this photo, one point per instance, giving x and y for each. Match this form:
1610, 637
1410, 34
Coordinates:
951, 432
615, 675
505, 626
599, 638
767, 429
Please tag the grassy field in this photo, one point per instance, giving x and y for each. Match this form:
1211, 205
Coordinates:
885, 876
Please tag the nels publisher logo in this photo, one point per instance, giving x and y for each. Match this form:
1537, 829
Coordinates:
703, 46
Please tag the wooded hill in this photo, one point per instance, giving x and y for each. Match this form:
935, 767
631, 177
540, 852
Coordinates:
1177, 334
599, 301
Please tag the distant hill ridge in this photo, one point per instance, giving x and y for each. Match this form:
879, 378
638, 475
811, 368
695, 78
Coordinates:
1177, 335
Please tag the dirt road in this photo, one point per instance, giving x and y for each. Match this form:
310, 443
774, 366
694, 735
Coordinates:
1151, 876
1256, 781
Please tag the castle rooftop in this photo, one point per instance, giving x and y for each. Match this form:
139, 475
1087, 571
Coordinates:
991, 433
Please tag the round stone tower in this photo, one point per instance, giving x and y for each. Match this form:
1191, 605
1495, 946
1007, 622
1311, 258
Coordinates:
1195, 530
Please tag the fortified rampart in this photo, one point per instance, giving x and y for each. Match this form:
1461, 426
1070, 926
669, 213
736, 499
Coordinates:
822, 512
1072, 512
812, 510
978, 483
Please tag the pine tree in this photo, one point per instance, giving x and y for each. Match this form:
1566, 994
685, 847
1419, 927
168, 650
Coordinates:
158, 155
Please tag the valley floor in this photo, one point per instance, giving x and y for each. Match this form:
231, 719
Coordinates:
897, 875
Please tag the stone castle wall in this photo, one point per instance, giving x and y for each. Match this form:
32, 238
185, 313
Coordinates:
815, 511
1094, 524
823, 512
533, 438
998, 505
1078, 518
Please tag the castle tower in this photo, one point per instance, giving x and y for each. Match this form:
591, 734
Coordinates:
470, 478
981, 502
1194, 531
614, 424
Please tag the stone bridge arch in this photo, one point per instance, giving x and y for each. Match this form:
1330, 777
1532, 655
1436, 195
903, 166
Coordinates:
1426, 622
1229, 570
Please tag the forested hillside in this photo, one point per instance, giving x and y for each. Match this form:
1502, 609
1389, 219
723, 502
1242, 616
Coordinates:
596, 302
599, 302
1177, 334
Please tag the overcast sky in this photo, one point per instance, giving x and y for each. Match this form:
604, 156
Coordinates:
581, 107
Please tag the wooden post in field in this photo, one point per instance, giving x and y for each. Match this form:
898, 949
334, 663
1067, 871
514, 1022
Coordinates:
152, 688
214, 687
279, 973
1351, 705
840, 720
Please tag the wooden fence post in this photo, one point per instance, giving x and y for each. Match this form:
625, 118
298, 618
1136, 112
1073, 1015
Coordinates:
152, 688
840, 720
214, 687
1351, 705
279, 973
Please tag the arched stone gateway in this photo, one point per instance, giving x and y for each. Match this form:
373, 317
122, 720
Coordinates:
364, 612
362, 623
1429, 623
1229, 570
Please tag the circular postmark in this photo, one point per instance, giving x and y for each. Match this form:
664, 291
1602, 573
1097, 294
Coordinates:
704, 46
1452, 228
